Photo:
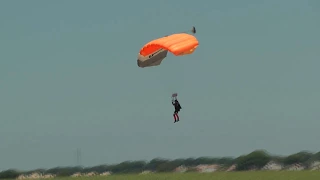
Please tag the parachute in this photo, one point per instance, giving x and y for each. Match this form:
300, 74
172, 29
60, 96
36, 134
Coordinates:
180, 44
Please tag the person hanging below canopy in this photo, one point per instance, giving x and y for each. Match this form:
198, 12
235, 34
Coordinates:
177, 107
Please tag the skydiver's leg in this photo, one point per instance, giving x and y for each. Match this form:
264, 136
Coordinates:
175, 118
176, 115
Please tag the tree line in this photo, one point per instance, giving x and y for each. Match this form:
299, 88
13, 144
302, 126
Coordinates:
256, 159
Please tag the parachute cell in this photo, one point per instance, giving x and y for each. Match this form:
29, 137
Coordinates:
152, 53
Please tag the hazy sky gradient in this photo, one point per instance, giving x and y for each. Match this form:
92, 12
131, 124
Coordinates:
69, 79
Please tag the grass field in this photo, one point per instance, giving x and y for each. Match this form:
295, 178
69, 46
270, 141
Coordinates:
281, 175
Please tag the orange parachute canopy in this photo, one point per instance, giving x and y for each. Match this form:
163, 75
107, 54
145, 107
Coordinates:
152, 53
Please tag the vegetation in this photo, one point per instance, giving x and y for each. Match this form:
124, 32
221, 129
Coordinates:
284, 175
254, 160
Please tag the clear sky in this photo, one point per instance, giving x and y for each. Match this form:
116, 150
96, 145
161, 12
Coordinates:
69, 79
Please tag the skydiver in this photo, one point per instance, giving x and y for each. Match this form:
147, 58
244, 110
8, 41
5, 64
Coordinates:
177, 108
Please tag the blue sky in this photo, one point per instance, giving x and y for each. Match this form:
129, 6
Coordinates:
69, 79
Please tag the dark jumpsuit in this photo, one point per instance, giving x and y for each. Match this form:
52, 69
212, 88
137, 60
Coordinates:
177, 108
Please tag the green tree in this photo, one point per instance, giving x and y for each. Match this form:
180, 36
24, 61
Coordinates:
256, 159
9, 174
301, 157
155, 164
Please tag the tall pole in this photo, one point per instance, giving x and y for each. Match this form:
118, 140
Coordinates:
78, 156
